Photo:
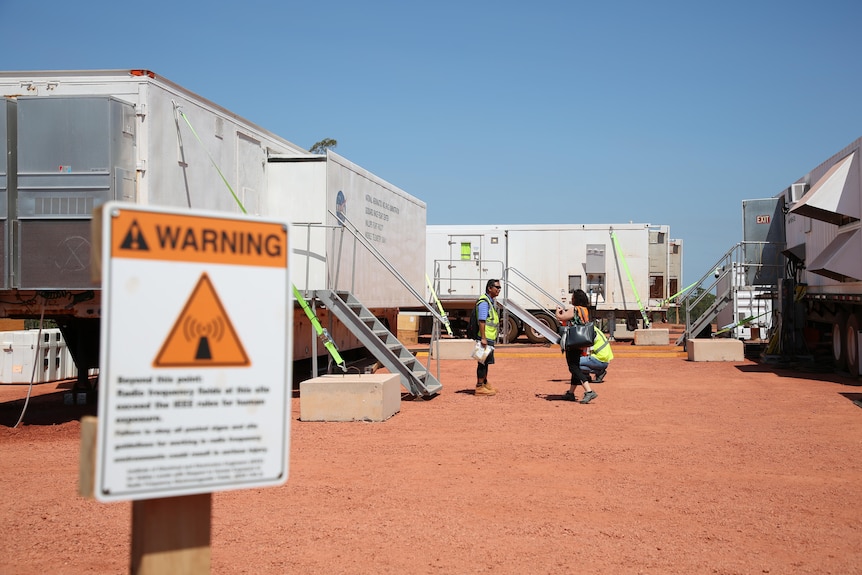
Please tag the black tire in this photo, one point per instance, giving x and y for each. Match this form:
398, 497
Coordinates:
851, 345
511, 331
839, 341
536, 337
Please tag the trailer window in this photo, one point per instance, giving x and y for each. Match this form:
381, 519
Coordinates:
656, 287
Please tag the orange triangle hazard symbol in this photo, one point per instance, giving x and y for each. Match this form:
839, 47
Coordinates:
203, 335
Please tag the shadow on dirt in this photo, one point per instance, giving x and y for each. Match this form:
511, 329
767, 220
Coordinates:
854, 397
803, 370
553, 397
46, 409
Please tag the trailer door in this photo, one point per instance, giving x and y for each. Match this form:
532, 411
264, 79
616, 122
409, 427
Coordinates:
469, 266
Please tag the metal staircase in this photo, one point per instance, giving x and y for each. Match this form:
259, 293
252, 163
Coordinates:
513, 279
740, 269
722, 299
384, 346
529, 319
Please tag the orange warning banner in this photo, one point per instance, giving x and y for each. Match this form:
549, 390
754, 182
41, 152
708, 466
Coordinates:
192, 238
203, 335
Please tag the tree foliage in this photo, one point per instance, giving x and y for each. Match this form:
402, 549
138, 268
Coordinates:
323, 145
697, 310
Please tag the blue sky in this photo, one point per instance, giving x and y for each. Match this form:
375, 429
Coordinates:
663, 112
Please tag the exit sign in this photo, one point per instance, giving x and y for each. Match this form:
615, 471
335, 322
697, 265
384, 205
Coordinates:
764, 219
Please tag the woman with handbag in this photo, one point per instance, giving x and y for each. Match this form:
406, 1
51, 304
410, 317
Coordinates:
580, 303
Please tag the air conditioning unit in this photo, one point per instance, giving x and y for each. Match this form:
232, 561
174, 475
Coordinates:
797, 191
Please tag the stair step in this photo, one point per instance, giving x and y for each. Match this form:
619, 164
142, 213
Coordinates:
381, 342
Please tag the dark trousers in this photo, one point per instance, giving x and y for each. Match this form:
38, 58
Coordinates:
573, 360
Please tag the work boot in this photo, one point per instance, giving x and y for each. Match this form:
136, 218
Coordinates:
483, 390
600, 376
488, 385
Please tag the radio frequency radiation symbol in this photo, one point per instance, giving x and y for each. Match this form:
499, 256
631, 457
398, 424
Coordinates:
203, 334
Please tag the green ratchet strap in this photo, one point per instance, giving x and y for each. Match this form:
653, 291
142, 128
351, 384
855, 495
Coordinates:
439, 306
677, 294
631, 279
239, 203
321, 331
730, 326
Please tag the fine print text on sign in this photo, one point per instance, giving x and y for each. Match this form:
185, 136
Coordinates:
195, 375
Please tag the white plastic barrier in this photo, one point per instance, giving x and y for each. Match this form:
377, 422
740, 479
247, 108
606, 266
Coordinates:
18, 353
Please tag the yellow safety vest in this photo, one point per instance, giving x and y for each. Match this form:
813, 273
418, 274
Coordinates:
492, 323
602, 347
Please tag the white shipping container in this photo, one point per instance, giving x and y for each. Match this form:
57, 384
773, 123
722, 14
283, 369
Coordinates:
327, 196
542, 265
87, 137
557, 258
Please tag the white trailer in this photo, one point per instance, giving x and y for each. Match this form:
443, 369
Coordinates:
626, 269
824, 247
328, 198
73, 140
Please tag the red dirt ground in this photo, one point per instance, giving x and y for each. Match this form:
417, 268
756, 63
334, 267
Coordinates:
677, 468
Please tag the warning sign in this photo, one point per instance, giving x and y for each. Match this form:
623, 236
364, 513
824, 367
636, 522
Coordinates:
195, 360
195, 238
203, 334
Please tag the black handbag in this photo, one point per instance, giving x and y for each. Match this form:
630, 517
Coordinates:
577, 334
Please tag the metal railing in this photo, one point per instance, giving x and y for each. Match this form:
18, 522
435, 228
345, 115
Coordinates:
333, 272
508, 283
741, 267
358, 236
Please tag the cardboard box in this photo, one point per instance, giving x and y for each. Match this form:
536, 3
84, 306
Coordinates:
11, 324
408, 322
408, 337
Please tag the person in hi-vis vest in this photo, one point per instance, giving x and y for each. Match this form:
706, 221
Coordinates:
489, 322
599, 358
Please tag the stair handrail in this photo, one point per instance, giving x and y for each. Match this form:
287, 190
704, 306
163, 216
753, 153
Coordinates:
439, 279
355, 232
695, 295
507, 283
724, 266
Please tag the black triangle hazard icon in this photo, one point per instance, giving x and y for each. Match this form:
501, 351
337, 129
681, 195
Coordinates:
134, 239
203, 335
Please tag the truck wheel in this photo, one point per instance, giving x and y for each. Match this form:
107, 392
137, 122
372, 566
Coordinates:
536, 337
511, 331
852, 344
839, 341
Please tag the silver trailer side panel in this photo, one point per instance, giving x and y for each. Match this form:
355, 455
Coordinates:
74, 154
7, 182
823, 223
328, 256
763, 234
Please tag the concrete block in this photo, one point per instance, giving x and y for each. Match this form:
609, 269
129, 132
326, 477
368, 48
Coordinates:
622, 333
721, 349
652, 337
351, 397
453, 349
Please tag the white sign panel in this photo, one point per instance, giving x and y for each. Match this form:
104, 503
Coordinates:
195, 373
